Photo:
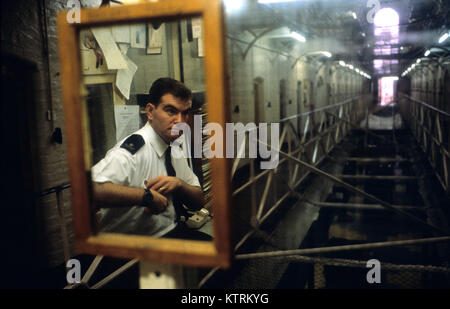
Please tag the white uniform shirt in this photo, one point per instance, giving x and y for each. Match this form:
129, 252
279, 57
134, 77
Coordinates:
124, 168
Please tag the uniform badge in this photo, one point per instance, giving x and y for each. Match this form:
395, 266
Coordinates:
133, 143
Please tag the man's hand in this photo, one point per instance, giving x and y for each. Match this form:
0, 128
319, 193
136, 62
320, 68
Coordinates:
159, 203
191, 196
164, 184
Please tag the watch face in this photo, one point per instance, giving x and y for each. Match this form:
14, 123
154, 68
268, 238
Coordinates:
147, 198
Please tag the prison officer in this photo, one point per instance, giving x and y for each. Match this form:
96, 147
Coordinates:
141, 183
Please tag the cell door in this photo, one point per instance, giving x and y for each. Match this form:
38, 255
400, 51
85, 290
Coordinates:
283, 107
258, 84
299, 108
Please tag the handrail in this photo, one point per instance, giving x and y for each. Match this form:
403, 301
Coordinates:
425, 104
306, 113
54, 189
427, 129
320, 109
58, 190
320, 142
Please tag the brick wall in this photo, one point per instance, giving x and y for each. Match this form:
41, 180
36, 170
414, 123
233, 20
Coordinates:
29, 31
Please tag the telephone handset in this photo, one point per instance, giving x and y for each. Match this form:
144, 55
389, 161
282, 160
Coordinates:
198, 218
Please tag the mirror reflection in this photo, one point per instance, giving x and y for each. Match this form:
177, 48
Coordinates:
144, 91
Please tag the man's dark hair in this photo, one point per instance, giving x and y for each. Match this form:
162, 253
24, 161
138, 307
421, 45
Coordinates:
166, 85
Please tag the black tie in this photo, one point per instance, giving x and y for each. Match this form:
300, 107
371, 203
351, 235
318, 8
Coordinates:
179, 210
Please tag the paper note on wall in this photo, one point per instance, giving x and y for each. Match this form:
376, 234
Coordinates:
123, 48
124, 77
138, 36
196, 28
127, 120
197, 33
155, 39
201, 52
113, 56
121, 34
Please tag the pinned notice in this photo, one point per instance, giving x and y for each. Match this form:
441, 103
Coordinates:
124, 77
127, 120
196, 28
113, 56
138, 36
197, 33
121, 34
154, 39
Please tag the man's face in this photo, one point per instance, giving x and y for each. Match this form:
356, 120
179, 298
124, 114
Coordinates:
170, 111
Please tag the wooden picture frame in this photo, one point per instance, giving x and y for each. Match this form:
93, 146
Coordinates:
177, 251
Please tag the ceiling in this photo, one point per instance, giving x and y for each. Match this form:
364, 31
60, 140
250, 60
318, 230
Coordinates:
346, 28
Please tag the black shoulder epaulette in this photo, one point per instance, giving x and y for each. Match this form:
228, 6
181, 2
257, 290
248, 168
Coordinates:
133, 143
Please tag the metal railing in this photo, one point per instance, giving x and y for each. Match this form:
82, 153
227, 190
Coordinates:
305, 152
431, 128
58, 190
318, 132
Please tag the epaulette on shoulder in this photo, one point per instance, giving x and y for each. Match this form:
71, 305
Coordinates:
133, 143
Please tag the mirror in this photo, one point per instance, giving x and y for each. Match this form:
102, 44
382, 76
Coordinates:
145, 179
134, 97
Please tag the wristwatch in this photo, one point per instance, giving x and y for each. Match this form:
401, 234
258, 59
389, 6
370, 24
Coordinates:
147, 199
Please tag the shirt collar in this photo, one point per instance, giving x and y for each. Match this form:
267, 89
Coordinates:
155, 140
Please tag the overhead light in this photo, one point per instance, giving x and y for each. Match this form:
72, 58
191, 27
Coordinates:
350, 66
443, 38
298, 36
326, 54
419, 60
232, 5
427, 53
354, 15
357, 71
342, 63
390, 77
274, 1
